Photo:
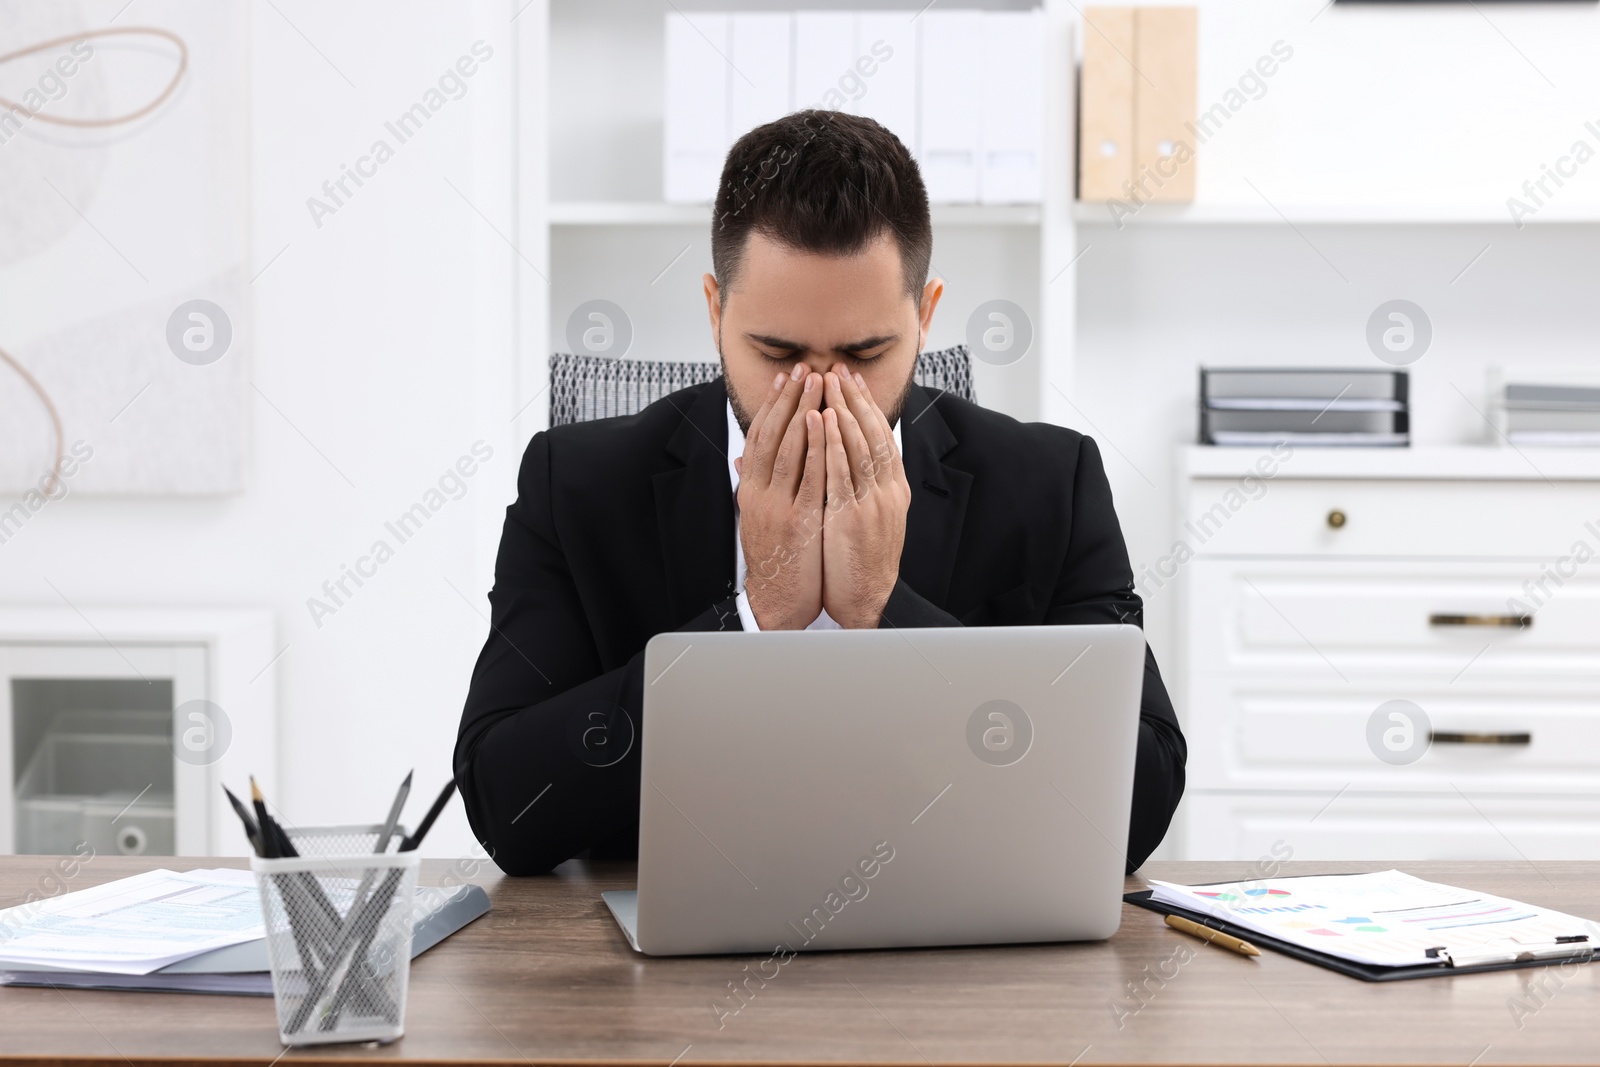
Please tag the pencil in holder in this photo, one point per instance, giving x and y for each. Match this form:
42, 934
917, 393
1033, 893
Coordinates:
338, 928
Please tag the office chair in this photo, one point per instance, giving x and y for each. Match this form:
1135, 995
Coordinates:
595, 387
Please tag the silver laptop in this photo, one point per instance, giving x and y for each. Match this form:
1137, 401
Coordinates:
883, 788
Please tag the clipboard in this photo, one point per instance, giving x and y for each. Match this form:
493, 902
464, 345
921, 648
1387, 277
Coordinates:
1367, 972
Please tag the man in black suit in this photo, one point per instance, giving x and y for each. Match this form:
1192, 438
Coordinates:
788, 494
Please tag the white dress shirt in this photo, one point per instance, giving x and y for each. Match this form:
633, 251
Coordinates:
747, 618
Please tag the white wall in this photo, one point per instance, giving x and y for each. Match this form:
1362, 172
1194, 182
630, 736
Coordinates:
385, 340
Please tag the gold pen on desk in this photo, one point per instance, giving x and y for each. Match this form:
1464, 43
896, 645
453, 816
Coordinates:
1216, 937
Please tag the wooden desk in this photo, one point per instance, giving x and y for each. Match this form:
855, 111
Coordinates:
546, 977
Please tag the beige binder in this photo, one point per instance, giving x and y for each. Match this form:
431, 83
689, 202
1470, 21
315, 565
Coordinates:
1105, 127
1138, 91
1165, 46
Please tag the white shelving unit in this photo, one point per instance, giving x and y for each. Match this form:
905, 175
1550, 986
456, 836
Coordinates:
1429, 154
593, 225
651, 213
1432, 463
1088, 213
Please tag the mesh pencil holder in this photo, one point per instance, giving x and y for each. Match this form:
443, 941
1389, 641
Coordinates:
338, 926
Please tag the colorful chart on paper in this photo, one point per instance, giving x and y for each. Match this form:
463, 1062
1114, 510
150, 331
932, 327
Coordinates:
1387, 918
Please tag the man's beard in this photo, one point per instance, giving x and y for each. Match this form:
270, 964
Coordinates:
743, 416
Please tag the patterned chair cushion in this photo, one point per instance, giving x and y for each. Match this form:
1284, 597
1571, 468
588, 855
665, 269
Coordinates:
583, 388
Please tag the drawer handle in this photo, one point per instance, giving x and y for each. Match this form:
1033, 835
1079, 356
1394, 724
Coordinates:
1336, 518
1452, 737
1512, 622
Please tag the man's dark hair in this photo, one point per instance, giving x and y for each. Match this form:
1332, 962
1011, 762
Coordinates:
824, 182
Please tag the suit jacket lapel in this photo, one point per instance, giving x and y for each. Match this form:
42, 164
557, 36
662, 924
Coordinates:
938, 498
694, 506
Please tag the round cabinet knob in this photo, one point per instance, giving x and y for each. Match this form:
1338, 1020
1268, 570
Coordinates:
1335, 518
131, 841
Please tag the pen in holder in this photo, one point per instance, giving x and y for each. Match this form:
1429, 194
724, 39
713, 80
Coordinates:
338, 924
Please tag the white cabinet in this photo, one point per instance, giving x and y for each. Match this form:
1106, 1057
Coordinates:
1420, 615
1397, 660
90, 733
119, 726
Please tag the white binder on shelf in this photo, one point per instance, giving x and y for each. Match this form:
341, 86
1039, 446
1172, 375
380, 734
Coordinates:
759, 53
887, 50
824, 56
696, 120
1012, 117
950, 105
962, 89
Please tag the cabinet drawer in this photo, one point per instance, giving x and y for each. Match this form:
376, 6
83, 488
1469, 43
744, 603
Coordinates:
1285, 516
1276, 827
1293, 733
1340, 618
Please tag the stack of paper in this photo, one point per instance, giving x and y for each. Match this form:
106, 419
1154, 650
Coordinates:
1546, 406
135, 925
194, 931
1387, 918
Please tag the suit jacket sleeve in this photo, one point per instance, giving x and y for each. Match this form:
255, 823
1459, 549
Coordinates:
546, 720
1095, 585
